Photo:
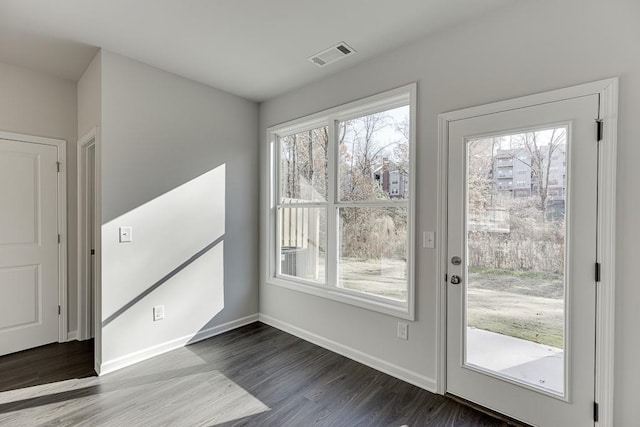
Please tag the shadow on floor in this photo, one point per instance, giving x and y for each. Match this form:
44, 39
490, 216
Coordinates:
255, 375
47, 364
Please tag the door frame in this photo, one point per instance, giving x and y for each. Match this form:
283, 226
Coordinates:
605, 234
60, 144
90, 139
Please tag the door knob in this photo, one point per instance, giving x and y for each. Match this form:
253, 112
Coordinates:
455, 280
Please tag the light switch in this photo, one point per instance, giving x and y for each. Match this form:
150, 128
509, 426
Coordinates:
126, 234
428, 239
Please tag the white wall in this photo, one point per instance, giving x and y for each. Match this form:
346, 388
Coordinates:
179, 165
90, 97
527, 48
35, 103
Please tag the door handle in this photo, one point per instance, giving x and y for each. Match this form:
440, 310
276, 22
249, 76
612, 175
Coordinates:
455, 280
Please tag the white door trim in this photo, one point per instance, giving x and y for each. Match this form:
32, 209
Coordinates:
92, 138
605, 307
60, 145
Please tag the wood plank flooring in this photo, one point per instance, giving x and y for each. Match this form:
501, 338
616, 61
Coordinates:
252, 376
47, 364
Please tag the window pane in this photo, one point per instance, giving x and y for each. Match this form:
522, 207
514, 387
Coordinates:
303, 242
303, 166
374, 156
373, 251
516, 234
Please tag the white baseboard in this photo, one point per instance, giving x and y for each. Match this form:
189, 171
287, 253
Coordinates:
72, 335
396, 371
139, 356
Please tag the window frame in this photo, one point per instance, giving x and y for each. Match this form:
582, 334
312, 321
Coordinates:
270, 254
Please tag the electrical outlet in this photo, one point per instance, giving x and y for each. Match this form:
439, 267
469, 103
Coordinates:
403, 330
158, 313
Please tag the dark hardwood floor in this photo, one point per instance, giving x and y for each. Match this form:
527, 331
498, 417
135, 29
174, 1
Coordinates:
47, 364
252, 376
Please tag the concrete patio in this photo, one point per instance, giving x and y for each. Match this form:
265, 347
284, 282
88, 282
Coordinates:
538, 365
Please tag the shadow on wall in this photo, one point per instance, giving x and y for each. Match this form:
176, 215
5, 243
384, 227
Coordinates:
175, 259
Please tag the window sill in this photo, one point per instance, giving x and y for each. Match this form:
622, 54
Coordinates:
400, 309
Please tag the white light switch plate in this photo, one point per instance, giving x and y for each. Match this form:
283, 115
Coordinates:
126, 234
428, 239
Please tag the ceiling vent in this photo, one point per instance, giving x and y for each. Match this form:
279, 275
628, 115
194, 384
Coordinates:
332, 54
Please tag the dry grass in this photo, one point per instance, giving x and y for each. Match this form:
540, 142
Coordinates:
384, 277
522, 304
526, 305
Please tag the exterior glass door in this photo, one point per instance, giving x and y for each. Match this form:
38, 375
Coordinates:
521, 247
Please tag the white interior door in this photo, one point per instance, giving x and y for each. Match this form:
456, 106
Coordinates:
522, 204
28, 245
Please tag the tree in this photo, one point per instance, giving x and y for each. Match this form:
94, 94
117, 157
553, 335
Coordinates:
304, 164
541, 149
366, 144
507, 230
479, 178
401, 149
363, 144
361, 152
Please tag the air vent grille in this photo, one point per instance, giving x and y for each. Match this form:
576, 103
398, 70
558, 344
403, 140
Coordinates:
333, 54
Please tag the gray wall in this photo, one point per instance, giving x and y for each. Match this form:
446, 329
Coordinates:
35, 103
179, 165
90, 97
526, 48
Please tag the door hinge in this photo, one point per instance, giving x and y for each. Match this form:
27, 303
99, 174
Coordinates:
599, 129
598, 268
58, 166
93, 251
59, 311
59, 238
595, 412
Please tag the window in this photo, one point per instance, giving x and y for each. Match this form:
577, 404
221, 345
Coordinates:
340, 219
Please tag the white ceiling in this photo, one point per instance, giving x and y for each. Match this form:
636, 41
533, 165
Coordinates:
253, 48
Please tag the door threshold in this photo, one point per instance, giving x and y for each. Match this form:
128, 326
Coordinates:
497, 415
